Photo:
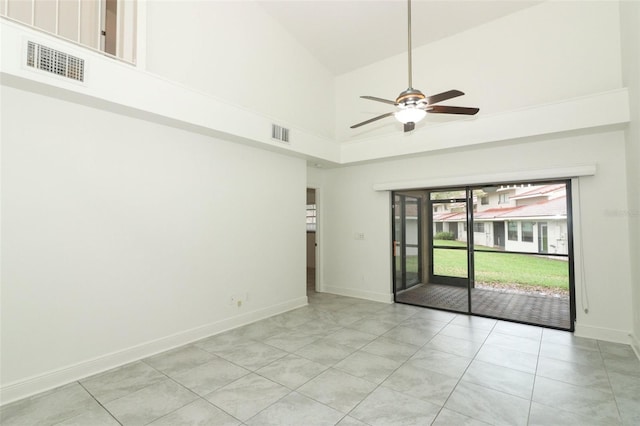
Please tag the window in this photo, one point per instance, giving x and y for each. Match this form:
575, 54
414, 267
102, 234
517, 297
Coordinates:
478, 226
311, 217
438, 227
503, 199
527, 231
513, 231
484, 200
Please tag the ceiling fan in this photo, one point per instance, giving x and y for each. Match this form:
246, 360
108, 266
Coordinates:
412, 104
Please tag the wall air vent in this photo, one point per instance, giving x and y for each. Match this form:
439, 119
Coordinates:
54, 61
279, 133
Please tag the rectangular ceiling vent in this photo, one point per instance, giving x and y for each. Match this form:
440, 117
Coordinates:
279, 133
54, 61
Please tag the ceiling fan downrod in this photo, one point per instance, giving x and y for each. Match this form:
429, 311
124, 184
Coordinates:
409, 43
411, 96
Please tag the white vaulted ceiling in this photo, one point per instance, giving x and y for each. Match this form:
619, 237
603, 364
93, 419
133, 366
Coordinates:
348, 34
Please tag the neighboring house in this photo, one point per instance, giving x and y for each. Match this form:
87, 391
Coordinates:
528, 218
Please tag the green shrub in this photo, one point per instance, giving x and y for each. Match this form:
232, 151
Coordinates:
444, 236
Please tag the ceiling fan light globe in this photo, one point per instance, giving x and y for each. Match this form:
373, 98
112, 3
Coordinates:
410, 115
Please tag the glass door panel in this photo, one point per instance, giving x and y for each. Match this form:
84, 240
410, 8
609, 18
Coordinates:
450, 263
398, 241
521, 265
448, 283
411, 241
406, 244
448, 243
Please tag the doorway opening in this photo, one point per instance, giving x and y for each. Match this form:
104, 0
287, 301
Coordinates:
312, 221
501, 251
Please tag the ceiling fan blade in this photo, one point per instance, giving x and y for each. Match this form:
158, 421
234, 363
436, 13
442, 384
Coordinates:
450, 94
373, 98
409, 126
371, 120
445, 109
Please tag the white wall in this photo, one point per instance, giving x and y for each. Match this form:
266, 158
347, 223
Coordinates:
630, 41
363, 267
235, 51
122, 237
546, 53
115, 229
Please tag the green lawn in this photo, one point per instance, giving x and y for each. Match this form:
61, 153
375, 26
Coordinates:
503, 268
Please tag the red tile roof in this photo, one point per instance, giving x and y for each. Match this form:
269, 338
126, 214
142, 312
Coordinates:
555, 207
541, 190
548, 208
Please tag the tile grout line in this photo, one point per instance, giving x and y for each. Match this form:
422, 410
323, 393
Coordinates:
99, 403
615, 398
370, 315
345, 372
186, 388
312, 378
291, 391
296, 389
396, 369
535, 377
568, 383
464, 372
422, 347
379, 384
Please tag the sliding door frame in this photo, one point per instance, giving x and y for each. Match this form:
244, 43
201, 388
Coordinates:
469, 282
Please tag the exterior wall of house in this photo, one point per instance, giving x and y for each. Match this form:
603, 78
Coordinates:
456, 228
510, 198
557, 242
556, 235
485, 238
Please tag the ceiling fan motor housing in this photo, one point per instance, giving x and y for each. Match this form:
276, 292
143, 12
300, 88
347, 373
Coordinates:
410, 96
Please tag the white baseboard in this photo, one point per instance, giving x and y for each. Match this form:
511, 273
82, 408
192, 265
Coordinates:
635, 344
55, 378
360, 294
600, 333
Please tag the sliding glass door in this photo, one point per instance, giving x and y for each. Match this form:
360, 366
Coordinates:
522, 267
501, 251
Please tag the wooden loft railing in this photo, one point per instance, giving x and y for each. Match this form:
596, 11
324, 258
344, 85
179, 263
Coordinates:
105, 25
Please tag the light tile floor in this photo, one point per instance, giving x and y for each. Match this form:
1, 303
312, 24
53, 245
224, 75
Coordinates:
352, 362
